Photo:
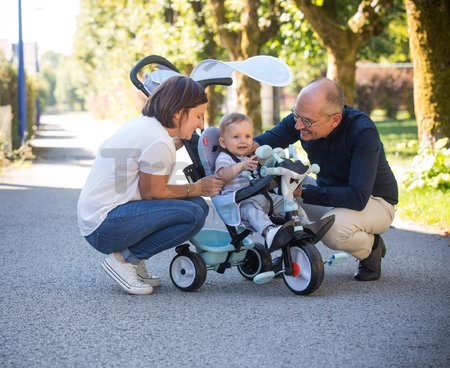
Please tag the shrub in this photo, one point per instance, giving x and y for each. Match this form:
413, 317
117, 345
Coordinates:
430, 168
8, 96
2, 146
387, 88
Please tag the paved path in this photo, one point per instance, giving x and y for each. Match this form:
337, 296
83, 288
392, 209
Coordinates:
58, 309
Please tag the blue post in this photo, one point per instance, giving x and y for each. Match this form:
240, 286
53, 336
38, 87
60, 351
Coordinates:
21, 83
38, 100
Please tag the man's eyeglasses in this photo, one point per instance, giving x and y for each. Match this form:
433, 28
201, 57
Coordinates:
306, 122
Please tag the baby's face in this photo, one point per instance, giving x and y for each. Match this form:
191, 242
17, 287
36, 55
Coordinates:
238, 138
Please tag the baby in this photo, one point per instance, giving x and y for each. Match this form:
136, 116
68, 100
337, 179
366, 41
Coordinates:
236, 141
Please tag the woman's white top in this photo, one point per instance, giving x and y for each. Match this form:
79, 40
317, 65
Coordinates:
141, 144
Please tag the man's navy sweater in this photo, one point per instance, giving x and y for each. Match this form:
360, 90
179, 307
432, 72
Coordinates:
352, 161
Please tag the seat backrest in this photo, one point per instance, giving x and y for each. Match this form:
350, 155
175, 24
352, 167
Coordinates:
209, 149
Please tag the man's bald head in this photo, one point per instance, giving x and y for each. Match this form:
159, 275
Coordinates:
325, 92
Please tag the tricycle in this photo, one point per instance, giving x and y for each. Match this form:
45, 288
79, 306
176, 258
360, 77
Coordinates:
300, 265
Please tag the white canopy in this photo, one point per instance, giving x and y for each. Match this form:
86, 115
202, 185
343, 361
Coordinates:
263, 68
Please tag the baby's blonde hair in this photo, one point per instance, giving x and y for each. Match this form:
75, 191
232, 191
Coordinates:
233, 117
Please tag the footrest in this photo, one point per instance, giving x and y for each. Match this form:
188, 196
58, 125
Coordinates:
264, 278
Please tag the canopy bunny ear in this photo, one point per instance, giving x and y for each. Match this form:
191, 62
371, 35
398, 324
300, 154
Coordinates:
263, 68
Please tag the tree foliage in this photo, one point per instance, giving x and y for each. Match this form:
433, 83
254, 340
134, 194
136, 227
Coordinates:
243, 29
392, 44
297, 44
343, 30
114, 34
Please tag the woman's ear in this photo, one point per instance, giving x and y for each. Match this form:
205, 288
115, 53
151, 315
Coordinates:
222, 142
176, 118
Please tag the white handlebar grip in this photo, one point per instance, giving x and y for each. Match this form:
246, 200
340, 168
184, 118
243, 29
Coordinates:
293, 152
264, 152
314, 168
279, 152
265, 171
246, 174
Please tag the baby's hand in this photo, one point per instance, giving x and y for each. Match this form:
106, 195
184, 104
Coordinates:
250, 164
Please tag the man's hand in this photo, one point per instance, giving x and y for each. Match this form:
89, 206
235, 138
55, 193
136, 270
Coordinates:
255, 146
298, 191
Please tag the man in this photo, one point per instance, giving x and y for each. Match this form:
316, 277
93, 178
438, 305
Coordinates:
355, 182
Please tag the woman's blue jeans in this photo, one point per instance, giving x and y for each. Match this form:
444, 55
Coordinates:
141, 229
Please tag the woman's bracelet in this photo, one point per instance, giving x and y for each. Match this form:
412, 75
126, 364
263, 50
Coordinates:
187, 191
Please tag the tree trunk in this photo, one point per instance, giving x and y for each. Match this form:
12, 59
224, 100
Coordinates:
243, 44
343, 39
276, 104
249, 99
429, 35
213, 108
210, 51
342, 69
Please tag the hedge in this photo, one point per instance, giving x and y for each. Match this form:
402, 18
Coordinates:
9, 96
387, 88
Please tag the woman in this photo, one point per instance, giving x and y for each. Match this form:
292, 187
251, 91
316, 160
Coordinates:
127, 209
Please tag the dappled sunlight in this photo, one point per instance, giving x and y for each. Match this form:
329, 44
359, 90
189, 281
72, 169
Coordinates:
12, 187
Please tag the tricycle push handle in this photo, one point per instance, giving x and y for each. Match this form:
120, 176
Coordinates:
151, 59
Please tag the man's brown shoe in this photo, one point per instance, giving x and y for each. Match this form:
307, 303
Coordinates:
369, 269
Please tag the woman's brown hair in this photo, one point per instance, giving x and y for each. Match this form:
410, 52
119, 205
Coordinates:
175, 94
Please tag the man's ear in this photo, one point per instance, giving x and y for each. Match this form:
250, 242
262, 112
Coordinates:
222, 142
336, 120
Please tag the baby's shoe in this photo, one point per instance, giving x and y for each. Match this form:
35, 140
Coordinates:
147, 277
303, 218
278, 236
270, 235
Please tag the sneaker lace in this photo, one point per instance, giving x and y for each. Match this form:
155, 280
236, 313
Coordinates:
132, 274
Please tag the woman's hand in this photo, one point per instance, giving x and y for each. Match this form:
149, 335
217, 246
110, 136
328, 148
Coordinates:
156, 187
209, 186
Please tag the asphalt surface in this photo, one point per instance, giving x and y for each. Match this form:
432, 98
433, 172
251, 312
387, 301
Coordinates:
59, 309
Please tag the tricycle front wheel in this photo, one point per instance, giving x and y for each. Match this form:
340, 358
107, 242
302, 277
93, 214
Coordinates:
308, 269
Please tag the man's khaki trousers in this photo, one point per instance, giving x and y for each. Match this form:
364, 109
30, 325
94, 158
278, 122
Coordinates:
353, 231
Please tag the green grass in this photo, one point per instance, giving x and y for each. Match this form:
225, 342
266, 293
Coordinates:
399, 140
426, 207
430, 208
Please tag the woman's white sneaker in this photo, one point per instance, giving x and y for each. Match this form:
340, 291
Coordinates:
125, 275
147, 277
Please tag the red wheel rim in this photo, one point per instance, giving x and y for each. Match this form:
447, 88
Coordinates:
296, 269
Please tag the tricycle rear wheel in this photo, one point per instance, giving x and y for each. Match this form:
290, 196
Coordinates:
188, 271
256, 260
